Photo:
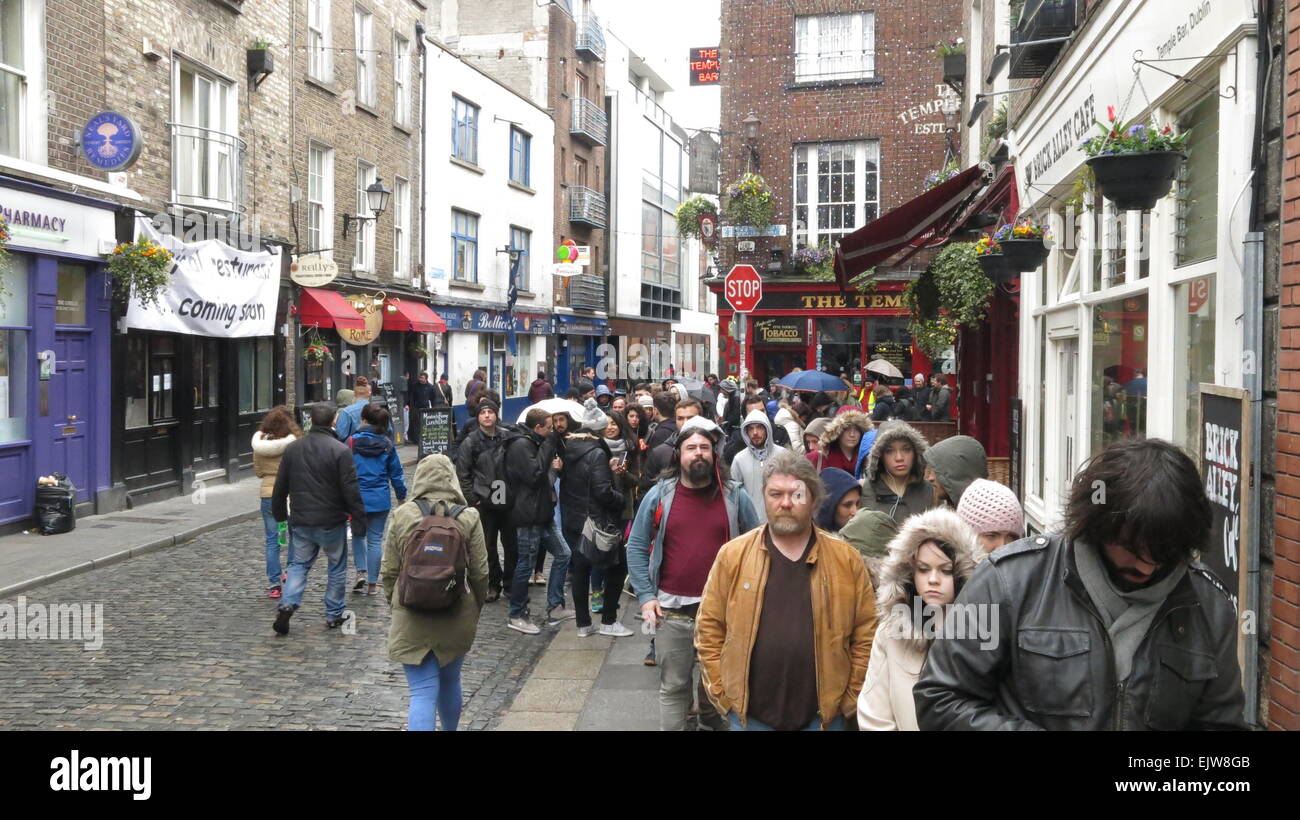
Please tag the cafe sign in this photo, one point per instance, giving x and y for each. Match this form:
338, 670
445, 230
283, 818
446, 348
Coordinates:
313, 271
372, 314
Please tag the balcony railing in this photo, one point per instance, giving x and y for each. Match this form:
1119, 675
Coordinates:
586, 205
1040, 20
587, 292
590, 41
590, 123
207, 168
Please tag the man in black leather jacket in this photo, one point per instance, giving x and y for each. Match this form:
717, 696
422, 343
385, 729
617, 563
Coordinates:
1108, 625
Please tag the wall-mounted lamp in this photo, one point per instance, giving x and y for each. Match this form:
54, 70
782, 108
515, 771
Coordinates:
982, 102
1002, 54
776, 260
750, 127
376, 201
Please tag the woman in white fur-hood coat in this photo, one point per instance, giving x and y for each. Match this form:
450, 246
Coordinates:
936, 540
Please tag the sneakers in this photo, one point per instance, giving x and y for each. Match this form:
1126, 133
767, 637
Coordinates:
597, 601
616, 630
523, 625
274, 592
537, 580
557, 615
584, 631
333, 623
282, 616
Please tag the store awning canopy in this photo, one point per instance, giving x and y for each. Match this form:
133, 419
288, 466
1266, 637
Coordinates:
328, 308
998, 198
412, 316
914, 222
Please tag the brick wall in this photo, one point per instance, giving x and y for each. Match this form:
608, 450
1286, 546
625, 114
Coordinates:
74, 43
1280, 576
758, 49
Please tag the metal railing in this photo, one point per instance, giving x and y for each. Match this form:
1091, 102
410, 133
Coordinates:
587, 291
590, 122
586, 205
207, 168
591, 38
1040, 20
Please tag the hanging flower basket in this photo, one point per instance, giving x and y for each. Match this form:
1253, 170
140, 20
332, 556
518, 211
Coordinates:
316, 351
749, 202
141, 269
1135, 164
1024, 244
688, 215
988, 252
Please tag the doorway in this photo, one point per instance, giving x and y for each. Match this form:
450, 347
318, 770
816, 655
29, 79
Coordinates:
205, 422
70, 411
1067, 379
772, 364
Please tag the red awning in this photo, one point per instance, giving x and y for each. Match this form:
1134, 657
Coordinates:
999, 198
414, 316
328, 308
909, 224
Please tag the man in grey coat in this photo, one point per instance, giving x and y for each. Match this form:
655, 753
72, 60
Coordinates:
747, 467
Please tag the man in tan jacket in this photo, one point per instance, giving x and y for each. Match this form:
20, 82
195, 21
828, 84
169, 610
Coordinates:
785, 626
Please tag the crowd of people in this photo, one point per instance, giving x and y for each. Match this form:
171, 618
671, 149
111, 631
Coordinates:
800, 561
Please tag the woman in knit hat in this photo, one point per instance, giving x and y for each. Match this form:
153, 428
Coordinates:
993, 512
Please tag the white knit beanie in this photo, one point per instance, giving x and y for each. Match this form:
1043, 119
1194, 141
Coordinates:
988, 506
593, 419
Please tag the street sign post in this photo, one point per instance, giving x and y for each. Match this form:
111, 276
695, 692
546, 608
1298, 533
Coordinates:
743, 289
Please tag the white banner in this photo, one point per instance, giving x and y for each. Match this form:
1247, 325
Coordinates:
216, 290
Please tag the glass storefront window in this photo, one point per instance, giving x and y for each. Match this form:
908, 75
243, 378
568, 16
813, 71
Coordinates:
1196, 234
70, 304
255, 366
1119, 371
135, 382
1041, 433
13, 385
888, 339
1194, 355
13, 307
840, 338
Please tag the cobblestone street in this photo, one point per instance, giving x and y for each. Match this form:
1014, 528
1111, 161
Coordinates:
187, 642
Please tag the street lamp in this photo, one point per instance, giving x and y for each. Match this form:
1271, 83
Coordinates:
750, 128
376, 202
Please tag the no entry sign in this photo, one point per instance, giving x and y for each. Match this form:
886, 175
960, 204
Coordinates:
743, 288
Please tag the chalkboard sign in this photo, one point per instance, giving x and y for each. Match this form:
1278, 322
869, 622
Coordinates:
389, 398
1226, 471
435, 430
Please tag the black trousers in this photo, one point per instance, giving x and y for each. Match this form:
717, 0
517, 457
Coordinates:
497, 523
581, 570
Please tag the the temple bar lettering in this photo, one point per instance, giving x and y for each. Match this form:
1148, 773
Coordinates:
837, 301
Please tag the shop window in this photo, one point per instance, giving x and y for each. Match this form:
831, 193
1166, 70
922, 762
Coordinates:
256, 364
888, 339
162, 370
1114, 259
319, 377
840, 340
1193, 355
1041, 432
1119, 370
13, 385
1197, 233
135, 381
1143, 226
70, 301
836, 190
519, 376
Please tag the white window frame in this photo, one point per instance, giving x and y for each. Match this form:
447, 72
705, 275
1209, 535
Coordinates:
401, 228
320, 55
320, 202
401, 80
817, 60
363, 255
220, 138
525, 262
363, 31
864, 151
32, 115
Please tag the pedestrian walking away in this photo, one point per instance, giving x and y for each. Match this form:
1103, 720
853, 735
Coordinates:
480, 466
1110, 623
378, 467
928, 563
349, 418
318, 481
937, 409
951, 465
786, 619
869, 532
893, 480
431, 645
684, 520
540, 389
277, 431
529, 471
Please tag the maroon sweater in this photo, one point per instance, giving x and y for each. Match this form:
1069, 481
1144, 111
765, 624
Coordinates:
694, 532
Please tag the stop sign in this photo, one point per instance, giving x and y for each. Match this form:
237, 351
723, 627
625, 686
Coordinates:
743, 288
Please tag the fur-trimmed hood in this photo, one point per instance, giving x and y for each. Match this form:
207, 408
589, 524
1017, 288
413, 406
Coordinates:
885, 435
840, 423
271, 447
939, 524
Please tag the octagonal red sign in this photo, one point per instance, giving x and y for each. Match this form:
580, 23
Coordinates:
743, 288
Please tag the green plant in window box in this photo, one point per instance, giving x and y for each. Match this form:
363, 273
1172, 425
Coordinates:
141, 269
688, 215
260, 43
749, 202
997, 127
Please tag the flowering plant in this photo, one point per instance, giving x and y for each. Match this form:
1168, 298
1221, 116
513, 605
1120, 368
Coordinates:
817, 262
947, 47
749, 201
1023, 228
141, 268
936, 178
1132, 138
688, 215
316, 351
987, 245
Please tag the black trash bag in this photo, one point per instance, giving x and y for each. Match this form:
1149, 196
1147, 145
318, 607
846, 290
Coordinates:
56, 507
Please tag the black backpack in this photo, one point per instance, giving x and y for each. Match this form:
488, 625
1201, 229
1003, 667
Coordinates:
434, 561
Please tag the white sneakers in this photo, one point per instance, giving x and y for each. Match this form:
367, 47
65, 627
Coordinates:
584, 631
523, 625
616, 630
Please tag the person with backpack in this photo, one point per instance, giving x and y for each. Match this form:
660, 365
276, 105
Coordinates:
480, 465
435, 577
532, 513
378, 466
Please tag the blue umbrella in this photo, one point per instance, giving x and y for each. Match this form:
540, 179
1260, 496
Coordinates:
812, 380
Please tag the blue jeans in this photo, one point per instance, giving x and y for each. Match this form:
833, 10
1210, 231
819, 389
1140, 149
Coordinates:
433, 687
272, 530
305, 543
369, 555
837, 725
549, 538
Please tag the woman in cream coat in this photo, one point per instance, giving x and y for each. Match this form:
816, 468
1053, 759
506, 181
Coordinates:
928, 561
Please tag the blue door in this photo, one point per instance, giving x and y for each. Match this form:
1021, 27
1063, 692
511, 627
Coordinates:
69, 417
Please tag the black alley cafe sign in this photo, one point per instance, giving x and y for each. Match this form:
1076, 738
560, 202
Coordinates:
1069, 134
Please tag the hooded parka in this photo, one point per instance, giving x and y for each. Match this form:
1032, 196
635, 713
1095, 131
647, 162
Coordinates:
748, 465
957, 461
918, 496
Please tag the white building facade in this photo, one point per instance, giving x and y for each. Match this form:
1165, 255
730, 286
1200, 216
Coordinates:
489, 186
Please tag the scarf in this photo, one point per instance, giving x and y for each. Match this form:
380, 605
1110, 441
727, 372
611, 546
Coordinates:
1127, 615
617, 447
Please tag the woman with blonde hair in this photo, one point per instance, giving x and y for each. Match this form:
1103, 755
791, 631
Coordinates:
278, 428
